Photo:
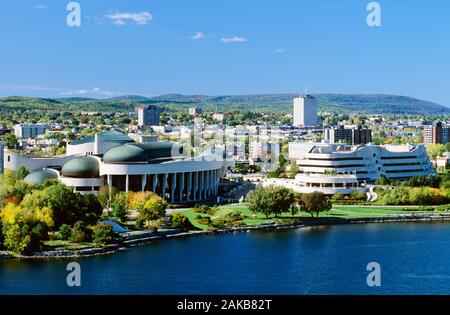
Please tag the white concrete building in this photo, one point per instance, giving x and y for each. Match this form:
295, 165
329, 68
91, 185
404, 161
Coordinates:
305, 111
195, 111
13, 161
236, 151
160, 167
342, 168
219, 117
264, 150
98, 143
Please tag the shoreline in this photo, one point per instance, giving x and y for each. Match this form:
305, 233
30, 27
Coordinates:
148, 238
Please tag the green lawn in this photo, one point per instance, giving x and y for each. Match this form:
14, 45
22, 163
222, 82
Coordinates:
67, 244
346, 211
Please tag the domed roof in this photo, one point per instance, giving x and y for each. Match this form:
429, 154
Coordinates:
39, 177
159, 150
143, 152
127, 153
81, 167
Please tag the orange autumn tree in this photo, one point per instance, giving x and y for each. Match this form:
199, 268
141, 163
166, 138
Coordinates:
136, 200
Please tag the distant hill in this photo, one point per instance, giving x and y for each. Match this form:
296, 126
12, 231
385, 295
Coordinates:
364, 103
347, 103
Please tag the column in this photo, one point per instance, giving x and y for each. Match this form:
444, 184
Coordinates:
202, 186
211, 182
127, 182
208, 181
155, 182
217, 181
189, 187
173, 186
144, 182
181, 190
109, 180
164, 186
195, 186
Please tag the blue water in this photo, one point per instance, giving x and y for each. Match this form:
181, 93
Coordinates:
414, 259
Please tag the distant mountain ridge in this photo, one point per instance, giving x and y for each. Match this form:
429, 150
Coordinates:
346, 103
365, 103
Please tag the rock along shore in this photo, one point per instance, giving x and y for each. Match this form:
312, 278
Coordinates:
145, 238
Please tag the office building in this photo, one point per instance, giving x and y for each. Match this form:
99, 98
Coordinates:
348, 136
148, 115
436, 134
219, 117
332, 168
195, 111
29, 131
305, 111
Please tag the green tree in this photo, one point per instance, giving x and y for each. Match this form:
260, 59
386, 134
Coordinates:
272, 200
102, 234
119, 206
22, 172
315, 202
294, 170
259, 201
435, 150
66, 205
79, 233
153, 210
64, 232
11, 141
17, 238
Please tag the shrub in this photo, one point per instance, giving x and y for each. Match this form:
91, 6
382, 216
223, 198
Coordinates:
180, 221
414, 196
79, 233
203, 220
102, 234
64, 232
358, 195
119, 206
17, 238
338, 196
226, 215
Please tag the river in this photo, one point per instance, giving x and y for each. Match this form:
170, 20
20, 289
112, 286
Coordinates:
414, 259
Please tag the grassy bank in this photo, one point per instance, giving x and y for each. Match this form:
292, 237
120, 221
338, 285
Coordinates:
338, 211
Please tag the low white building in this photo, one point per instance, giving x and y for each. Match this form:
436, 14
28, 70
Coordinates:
343, 168
161, 167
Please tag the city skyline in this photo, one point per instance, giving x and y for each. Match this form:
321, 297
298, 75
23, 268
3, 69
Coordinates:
228, 48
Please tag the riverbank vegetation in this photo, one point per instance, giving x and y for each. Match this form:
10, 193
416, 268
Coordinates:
34, 218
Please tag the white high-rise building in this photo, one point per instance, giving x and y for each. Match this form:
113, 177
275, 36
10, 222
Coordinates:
305, 111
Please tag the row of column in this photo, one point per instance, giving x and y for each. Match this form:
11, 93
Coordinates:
179, 187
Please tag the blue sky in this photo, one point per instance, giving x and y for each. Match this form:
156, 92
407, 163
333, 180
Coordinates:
219, 47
